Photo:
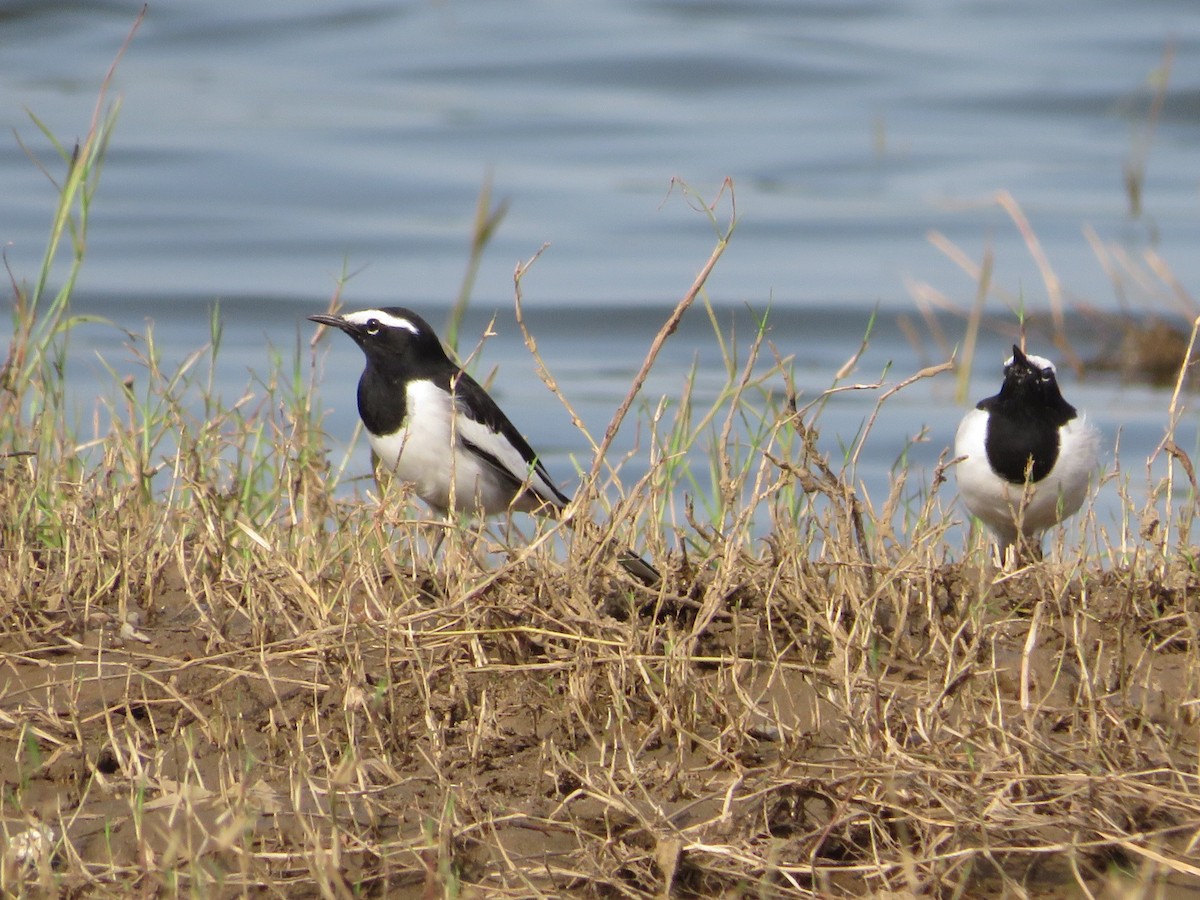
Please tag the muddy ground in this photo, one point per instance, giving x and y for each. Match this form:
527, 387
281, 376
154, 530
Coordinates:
959, 732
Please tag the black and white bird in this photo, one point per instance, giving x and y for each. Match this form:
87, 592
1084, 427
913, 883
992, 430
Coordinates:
1028, 456
433, 426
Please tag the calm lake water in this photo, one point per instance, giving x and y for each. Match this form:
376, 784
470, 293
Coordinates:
262, 149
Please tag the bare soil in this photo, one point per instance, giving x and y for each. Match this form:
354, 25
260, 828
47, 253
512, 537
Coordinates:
817, 728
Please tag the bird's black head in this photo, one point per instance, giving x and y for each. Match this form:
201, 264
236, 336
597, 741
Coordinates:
1031, 380
397, 342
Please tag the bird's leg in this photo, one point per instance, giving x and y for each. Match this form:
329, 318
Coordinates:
1022, 550
440, 528
1006, 557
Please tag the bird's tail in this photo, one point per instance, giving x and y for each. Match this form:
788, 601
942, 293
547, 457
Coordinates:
639, 568
630, 561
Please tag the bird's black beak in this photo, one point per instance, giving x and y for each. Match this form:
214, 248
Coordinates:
333, 322
1020, 363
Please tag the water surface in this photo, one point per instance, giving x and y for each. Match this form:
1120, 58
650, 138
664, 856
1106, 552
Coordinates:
263, 150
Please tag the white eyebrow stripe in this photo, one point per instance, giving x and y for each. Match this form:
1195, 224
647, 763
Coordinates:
364, 315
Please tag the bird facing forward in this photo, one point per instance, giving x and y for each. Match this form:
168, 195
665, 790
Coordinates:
432, 425
1027, 456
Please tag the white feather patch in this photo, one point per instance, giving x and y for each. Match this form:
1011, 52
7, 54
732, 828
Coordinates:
363, 316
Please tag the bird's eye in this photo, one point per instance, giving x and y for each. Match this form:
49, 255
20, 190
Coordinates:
373, 326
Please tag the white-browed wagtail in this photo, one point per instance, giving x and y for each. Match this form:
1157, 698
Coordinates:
433, 426
1028, 456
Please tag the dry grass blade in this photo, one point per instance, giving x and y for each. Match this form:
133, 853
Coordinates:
1054, 291
664, 332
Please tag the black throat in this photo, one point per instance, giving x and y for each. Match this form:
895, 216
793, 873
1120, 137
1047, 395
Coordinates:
382, 404
1023, 431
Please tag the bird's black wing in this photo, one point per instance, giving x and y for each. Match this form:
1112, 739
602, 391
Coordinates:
477, 404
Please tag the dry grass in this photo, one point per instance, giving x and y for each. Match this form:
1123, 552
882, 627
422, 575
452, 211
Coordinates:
222, 676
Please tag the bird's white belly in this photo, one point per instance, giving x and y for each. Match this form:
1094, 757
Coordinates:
426, 451
995, 500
